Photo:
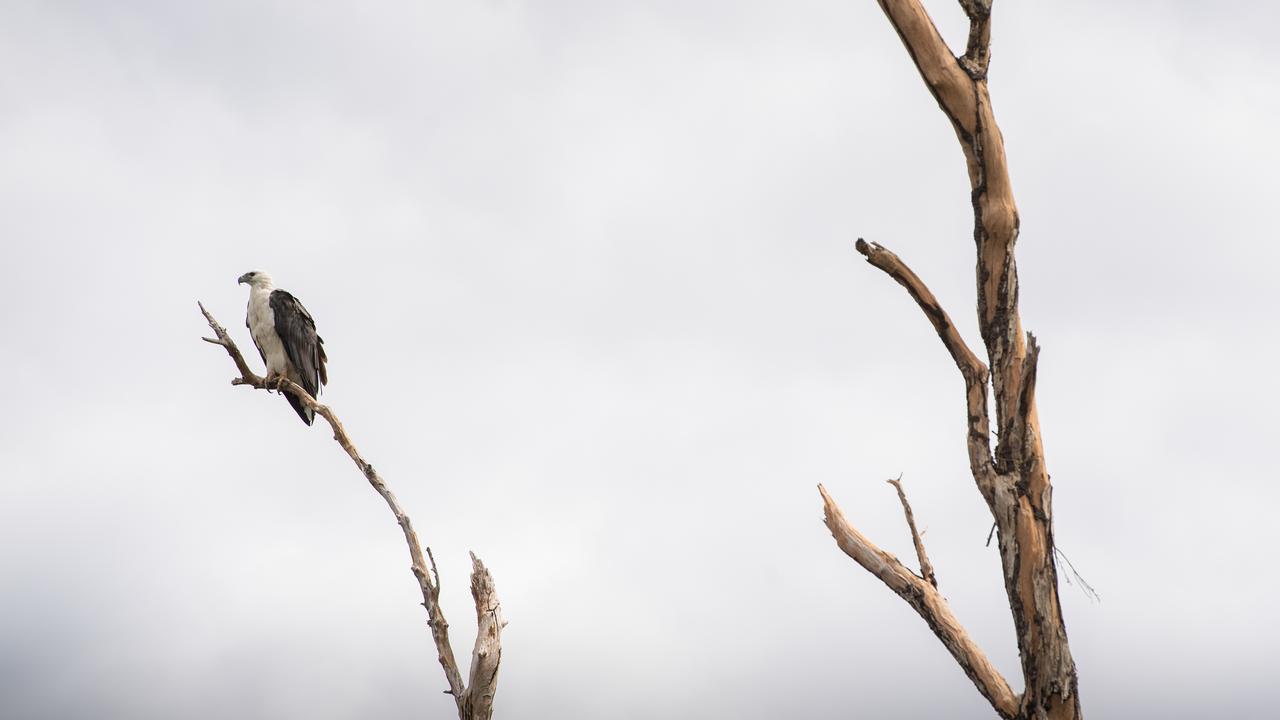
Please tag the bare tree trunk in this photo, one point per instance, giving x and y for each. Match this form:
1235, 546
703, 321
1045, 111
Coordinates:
474, 702
1013, 480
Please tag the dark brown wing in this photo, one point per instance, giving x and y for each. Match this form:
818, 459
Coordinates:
304, 347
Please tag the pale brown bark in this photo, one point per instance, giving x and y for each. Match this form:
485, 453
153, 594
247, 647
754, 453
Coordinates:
928, 602
474, 702
1013, 480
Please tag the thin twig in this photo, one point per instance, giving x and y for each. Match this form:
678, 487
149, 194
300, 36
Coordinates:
1084, 584
926, 569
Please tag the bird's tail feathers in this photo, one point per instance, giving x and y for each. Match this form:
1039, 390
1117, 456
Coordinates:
307, 414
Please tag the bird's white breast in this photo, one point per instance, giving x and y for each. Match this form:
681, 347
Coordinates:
262, 325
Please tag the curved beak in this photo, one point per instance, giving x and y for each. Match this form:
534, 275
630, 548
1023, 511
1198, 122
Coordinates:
243, 279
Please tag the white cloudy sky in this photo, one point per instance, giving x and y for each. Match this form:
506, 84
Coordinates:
586, 276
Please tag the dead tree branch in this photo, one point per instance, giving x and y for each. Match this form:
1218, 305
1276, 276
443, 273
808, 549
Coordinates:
925, 599
476, 702
487, 654
1013, 479
926, 568
975, 374
977, 54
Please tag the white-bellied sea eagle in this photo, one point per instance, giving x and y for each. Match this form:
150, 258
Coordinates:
286, 338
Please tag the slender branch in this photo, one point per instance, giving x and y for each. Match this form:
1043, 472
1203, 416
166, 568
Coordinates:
891, 264
925, 599
971, 368
926, 568
223, 339
428, 579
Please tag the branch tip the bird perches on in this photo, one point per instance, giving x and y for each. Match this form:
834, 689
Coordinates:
474, 702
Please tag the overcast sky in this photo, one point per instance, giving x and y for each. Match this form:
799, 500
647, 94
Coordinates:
586, 277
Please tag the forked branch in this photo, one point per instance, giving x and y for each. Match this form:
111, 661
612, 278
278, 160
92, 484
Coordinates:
476, 702
925, 599
1013, 480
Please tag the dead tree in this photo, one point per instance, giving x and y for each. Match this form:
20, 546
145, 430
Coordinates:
1013, 478
475, 697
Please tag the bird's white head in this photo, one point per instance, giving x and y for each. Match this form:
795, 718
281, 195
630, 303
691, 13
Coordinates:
257, 279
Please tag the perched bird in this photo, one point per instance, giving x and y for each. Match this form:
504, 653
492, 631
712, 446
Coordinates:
286, 338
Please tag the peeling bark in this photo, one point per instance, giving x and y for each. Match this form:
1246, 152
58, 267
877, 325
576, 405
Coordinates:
1013, 479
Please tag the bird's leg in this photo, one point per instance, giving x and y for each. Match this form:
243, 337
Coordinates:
271, 380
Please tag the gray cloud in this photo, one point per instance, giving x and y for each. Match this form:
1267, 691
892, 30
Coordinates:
609, 250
